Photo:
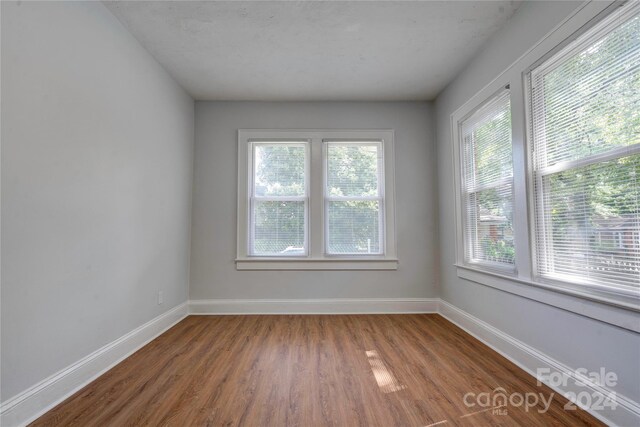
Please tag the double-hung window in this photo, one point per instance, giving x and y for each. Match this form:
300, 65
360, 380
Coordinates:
316, 199
585, 152
279, 199
487, 184
354, 199
547, 169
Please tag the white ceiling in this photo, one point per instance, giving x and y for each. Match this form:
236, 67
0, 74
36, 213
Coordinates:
312, 50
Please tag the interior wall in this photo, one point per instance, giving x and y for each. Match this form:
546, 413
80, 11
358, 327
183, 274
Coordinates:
97, 155
575, 340
213, 271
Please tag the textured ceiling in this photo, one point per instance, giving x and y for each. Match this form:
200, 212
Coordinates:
311, 50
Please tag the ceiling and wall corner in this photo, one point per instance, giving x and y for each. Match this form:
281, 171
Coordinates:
311, 50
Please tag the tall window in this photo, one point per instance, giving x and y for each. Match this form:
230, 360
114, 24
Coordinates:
585, 131
279, 199
354, 198
487, 183
316, 200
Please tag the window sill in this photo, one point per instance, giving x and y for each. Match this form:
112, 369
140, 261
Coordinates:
621, 311
316, 264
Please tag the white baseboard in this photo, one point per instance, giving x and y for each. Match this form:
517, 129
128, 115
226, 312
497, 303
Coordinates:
627, 412
35, 401
315, 306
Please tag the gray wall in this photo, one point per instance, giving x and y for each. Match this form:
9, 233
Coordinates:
570, 338
213, 272
97, 148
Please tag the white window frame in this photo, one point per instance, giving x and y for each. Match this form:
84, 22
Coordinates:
607, 20
380, 198
462, 194
253, 198
316, 257
616, 308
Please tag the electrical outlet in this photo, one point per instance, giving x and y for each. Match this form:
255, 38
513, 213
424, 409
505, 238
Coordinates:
160, 297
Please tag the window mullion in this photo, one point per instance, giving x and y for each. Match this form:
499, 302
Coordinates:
316, 203
521, 238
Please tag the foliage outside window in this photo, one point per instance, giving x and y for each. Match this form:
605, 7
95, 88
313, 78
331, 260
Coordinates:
279, 199
316, 200
586, 152
487, 183
353, 197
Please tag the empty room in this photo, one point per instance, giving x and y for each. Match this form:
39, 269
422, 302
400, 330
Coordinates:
320, 213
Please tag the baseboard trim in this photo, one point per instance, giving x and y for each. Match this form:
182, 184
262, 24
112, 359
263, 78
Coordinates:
314, 306
627, 412
40, 398
37, 400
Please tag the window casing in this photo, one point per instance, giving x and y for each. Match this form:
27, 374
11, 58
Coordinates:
316, 199
585, 158
590, 23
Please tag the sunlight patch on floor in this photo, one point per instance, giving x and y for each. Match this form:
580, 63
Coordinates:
385, 379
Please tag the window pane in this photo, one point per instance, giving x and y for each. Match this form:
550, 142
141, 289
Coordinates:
487, 137
279, 228
354, 227
352, 170
594, 215
279, 170
590, 103
491, 216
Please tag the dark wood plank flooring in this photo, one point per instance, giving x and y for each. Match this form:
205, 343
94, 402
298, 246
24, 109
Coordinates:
346, 370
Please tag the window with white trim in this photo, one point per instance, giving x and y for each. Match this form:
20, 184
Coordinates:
279, 199
585, 152
317, 199
354, 198
487, 184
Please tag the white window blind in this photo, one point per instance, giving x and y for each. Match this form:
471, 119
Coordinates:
354, 198
487, 183
279, 199
585, 148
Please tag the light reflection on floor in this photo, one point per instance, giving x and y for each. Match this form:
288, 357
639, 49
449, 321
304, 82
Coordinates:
385, 379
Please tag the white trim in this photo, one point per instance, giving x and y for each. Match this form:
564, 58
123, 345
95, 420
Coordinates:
611, 311
516, 76
317, 264
627, 412
482, 99
380, 197
613, 154
316, 226
314, 306
540, 225
253, 198
43, 396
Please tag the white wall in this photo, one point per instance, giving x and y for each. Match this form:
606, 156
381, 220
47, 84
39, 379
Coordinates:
213, 272
97, 148
575, 340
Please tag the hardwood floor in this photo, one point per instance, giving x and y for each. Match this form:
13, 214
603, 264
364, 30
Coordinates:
347, 370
